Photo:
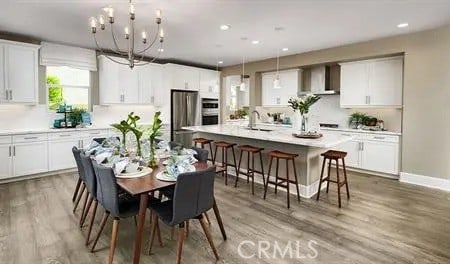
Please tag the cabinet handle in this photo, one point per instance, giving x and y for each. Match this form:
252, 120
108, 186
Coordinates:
379, 137
30, 138
68, 135
9, 151
362, 146
348, 135
14, 150
367, 99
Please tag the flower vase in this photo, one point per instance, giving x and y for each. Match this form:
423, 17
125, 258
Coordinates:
304, 123
153, 162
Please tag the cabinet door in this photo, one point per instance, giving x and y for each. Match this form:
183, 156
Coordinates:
3, 96
30, 158
353, 158
289, 86
6, 158
110, 92
354, 84
150, 80
386, 82
60, 154
270, 96
380, 156
209, 84
21, 73
129, 84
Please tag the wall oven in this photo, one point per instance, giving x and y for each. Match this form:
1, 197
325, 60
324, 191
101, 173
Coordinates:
210, 111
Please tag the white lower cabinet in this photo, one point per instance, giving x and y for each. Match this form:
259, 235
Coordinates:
6, 159
30, 158
372, 152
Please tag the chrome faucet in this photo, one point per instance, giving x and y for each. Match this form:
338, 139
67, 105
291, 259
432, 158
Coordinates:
251, 123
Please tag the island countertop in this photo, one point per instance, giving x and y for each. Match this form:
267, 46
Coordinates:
281, 135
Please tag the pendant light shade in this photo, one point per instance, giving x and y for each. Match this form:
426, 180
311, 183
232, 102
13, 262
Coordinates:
276, 83
242, 86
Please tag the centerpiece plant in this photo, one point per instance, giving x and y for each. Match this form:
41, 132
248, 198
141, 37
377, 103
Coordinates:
302, 105
135, 129
154, 131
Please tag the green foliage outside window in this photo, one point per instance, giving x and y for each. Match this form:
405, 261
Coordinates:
55, 92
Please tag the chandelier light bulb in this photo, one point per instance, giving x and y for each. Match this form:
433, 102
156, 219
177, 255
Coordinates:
132, 9
93, 23
158, 13
111, 12
161, 33
144, 37
127, 32
101, 20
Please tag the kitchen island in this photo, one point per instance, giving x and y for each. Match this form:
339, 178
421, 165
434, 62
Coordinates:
308, 163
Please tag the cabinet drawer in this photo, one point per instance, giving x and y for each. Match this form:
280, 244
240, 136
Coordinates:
5, 140
94, 133
64, 135
383, 138
30, 138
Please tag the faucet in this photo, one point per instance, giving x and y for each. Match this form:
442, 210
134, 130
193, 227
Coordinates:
251, 121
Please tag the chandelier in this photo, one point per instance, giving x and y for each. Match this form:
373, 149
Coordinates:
134, 56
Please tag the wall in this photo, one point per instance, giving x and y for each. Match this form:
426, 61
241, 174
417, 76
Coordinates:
426, 93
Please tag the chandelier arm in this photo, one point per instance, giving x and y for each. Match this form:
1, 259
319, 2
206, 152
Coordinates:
102, 51
151, 43
154, 58
117, 51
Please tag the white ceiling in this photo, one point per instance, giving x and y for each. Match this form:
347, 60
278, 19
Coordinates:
192, 27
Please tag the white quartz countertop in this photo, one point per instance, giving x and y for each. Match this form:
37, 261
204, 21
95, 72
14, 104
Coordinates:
282, 135
8, 132
362, 131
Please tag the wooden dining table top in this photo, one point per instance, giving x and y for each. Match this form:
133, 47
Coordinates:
149, 182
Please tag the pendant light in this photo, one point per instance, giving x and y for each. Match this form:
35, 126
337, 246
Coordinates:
242, 86
276, 82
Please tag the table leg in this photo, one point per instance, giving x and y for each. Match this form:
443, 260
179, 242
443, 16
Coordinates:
140, 228
219, 220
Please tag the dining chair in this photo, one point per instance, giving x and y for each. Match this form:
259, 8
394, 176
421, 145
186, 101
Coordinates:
115, 205
78, 193
194, 195
91, 186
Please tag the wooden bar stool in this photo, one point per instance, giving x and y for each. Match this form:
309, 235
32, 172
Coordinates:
334, 155
203, 142
279, 181
224, 146
250, 170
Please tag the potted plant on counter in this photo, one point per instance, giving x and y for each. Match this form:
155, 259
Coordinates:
302, 105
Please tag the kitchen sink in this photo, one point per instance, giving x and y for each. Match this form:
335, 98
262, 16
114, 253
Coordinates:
259, 129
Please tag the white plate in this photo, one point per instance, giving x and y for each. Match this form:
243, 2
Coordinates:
163, 176
136, 174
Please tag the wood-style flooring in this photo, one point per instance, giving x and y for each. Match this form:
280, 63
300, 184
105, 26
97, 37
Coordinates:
384, 222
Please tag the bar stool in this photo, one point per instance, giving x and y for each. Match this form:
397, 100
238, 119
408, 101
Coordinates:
282, 182
203, 142
250, 171
224, 146
334, 155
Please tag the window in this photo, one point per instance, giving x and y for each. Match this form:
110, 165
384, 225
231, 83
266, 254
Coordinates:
68, 85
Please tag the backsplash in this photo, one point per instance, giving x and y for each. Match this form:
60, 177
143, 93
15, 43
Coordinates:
327, 110
23, 117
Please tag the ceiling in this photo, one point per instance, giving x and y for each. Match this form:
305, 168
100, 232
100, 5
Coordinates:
192, 27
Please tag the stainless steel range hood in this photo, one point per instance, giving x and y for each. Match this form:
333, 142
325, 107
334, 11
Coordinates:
321, 80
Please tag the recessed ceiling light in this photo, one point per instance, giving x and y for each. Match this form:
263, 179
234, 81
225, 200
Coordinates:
255, 42
224, 27
285, 49
402, 25
161, 50
220, 62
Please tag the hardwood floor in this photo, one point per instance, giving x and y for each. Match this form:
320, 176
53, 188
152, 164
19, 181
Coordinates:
384, 222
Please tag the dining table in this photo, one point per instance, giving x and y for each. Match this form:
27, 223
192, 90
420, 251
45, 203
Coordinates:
144, 185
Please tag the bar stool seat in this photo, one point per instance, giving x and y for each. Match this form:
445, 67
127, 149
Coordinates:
202, 140
336, 156
225, 146
279, 181
251, 151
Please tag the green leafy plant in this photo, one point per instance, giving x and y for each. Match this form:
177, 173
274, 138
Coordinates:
358, 118
154, 131
124, 128
76, 115
134, 128
55, 92
302, 104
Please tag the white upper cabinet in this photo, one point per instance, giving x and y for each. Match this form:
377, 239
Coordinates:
182, 77
209, 84
18, 72
372, 83
110, 92
129, 84
150, 81
289, 81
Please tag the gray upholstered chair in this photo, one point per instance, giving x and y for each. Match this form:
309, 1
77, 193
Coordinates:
91, 195
78, 193
202, 154
194, 195
116, 205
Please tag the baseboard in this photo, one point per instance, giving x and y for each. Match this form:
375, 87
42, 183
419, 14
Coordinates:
33, 176
426, 181
306, 191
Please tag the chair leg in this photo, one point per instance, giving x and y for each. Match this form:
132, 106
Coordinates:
276, 176
329, 174
181, 235
158, 230
225, 162
210, 148
296, 180
86, 212
187, 228
262, 168
215, 155
253, 173
287, 185
153, 227
239, 168
248, 166
102, 226
268, 175
338, 182
77, 188
83, 188
86, 197
234, 160
112, 246
345, 177
321, 179
208, 236
91, 222
207, 218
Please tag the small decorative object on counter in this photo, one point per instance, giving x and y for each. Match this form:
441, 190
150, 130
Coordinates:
302, 104
358, 120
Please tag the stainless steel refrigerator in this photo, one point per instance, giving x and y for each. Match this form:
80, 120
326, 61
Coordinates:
184, 110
